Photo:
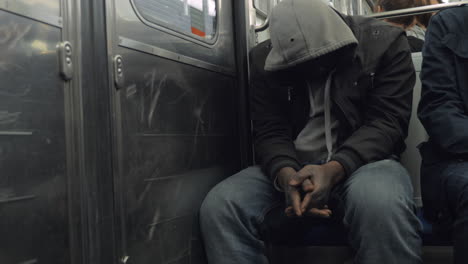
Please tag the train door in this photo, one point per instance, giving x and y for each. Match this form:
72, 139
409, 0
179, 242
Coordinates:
175, 120
37, 212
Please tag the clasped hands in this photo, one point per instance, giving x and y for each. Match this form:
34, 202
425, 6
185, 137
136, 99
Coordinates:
307, 191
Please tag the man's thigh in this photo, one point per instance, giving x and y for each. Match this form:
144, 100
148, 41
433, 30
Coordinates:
443, 185
250, 193
378, 187
455, 181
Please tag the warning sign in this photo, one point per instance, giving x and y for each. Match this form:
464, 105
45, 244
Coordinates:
197, 18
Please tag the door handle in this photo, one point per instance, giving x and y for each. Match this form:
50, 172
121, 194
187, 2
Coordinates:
65, 52
119, 76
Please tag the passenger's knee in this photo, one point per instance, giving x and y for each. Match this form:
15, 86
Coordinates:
374, 204
384, 175
215, 204
242, 197
382, 195
462, 206
389, 215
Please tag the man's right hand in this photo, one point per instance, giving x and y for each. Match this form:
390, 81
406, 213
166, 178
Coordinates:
298, 186
294, 192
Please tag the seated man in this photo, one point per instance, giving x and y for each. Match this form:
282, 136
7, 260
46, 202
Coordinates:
406, 22
331, 104
443, 110
422, 21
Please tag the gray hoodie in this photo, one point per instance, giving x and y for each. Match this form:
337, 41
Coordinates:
301, 31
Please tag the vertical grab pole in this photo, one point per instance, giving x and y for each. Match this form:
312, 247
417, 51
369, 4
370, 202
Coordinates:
360, 6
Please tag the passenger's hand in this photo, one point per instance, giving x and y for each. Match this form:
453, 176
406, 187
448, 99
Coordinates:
293, 193
316, 182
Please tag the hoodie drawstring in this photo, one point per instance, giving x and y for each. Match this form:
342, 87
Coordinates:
327, 109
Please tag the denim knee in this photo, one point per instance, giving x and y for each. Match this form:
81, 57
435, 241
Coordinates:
379, 206
382, 192
215, 206
242, 196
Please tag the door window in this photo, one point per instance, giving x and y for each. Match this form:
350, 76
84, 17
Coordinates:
196, 18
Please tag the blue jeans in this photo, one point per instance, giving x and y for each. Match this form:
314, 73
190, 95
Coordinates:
378, 212
445, 194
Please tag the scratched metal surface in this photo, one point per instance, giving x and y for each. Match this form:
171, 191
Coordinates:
33, 186
178, 139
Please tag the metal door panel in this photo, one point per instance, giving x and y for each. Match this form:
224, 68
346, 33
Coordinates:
33, 181
220, 54
176, 138
175, 132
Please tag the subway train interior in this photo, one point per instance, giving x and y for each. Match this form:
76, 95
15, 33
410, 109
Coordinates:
118, 116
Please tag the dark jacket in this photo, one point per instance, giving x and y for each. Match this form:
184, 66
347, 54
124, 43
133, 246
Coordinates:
443, 108
372, 97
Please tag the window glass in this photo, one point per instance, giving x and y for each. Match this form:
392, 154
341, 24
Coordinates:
196, 18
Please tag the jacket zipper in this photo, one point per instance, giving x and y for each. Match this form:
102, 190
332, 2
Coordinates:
372, 76
289, 93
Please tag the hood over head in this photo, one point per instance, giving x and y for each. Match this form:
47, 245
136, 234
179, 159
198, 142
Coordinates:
304, 30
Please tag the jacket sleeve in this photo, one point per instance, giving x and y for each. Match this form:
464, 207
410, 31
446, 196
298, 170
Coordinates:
441, 110
387, 113
272, 131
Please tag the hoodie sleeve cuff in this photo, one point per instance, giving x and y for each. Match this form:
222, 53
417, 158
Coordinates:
281, 162
349, 160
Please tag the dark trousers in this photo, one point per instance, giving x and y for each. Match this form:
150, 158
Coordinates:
445, 195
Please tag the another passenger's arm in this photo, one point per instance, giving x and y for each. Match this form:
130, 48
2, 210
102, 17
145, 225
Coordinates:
441, 110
